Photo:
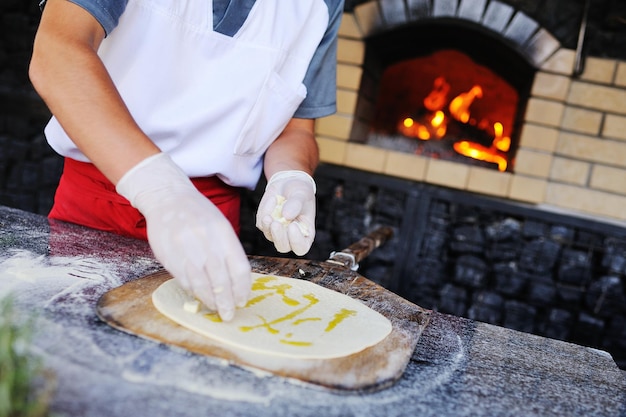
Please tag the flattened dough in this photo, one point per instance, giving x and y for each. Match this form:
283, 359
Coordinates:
284, 317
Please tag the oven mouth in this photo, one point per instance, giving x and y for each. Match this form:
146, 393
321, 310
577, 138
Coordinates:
445, 90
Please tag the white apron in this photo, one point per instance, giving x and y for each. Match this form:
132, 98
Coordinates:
214, 103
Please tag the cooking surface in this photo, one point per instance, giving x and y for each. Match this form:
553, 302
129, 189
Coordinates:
130, 309
459, 367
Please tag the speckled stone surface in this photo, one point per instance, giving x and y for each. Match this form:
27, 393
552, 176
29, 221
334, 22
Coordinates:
459, 368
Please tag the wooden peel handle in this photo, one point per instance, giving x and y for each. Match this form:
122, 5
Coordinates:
359, 250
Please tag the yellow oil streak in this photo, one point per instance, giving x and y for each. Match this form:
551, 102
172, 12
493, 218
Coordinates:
295, 343
340, 316
258, 299
265, 324
261, 284
300, 321
312, 301
214, 317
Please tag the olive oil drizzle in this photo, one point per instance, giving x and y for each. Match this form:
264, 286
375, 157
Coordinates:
265, 284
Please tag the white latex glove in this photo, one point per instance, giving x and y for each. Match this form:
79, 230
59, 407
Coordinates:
189, 235
286, 213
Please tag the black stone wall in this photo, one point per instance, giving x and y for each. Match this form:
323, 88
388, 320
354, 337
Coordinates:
29, 169
487, 259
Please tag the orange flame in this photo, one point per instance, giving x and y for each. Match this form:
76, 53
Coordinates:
435, 124
459, 106
436, 127
480, 152
502, 143
437, 98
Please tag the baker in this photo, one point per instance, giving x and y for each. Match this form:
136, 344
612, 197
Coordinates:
165, 109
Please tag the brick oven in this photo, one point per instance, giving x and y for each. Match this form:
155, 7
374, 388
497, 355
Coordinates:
572, 127
531, 236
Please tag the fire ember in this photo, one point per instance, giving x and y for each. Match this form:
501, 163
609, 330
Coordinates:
447, 106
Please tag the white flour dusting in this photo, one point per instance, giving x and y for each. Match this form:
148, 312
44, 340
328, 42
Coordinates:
69, 334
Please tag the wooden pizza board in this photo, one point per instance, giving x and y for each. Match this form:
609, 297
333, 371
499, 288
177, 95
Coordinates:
129, 308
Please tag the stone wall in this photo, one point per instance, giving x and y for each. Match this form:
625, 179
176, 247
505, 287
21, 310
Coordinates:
473, 256
29, 169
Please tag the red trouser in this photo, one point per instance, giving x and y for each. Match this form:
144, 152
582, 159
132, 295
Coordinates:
85, 196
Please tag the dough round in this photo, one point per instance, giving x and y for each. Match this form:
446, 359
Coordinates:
284, 317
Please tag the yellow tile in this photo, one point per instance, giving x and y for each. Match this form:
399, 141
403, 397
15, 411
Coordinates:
346, 101
608, 179
598, 97
350, 51
533, 163
335, 126
527, 189
447, 174
349, 28
562, 62
570, 171
581, 120
544, 112
539, 137
349, 76
406, 165
614, 127
332, 151
588, 148
367, 158
489, 181
598, 70
550, 86
585, 200
620, 76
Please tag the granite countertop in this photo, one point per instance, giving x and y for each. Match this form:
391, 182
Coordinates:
460, 367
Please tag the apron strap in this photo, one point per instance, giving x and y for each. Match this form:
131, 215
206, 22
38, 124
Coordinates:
85, 196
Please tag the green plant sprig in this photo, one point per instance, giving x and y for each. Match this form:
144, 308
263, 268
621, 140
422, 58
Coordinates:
25, 386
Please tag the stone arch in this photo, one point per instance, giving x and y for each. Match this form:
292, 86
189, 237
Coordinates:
512, 26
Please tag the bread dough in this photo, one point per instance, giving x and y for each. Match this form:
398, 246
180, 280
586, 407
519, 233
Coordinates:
284, 317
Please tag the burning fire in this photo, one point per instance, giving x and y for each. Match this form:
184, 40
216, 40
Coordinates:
459, 107
434, 125
478, 151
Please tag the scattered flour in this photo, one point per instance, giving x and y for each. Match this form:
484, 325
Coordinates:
63, 291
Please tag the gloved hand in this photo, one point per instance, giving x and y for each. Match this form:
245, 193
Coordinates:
286, 213
189, 235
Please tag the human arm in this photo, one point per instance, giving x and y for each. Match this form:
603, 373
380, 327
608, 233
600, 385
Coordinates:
72, 80
187, 233
294, 149
291, 159
289, 163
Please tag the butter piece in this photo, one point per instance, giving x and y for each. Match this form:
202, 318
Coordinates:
192, 306
277, 215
